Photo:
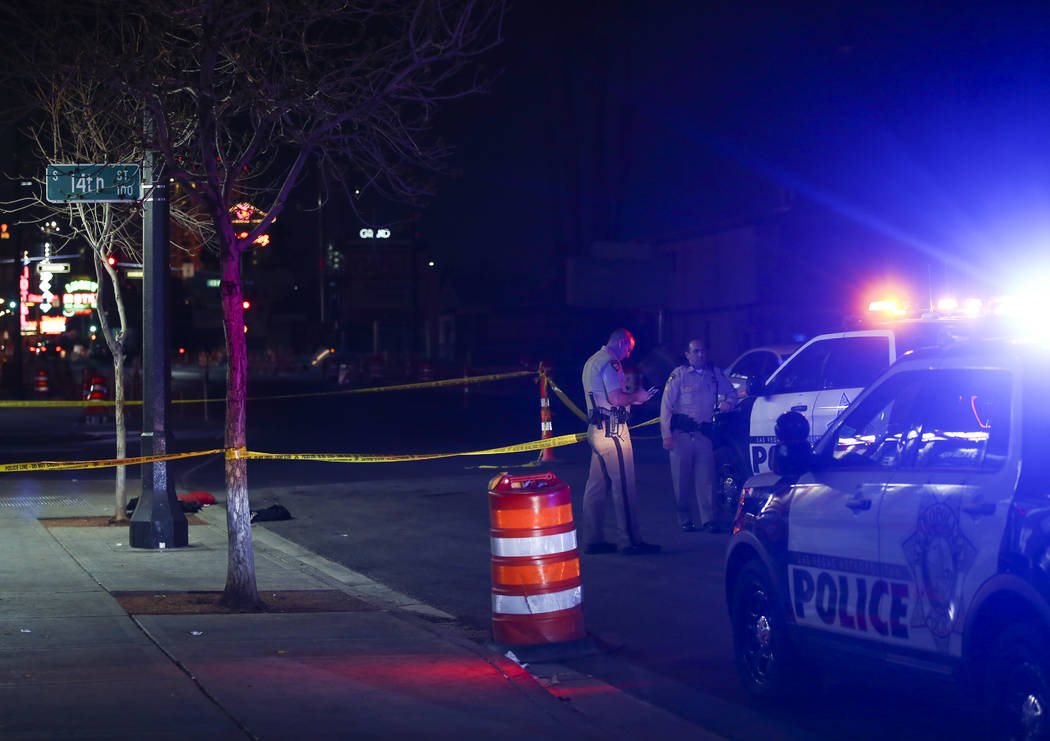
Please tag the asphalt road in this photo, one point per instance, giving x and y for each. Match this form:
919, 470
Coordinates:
422, 528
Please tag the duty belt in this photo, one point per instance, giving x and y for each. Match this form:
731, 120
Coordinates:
610, 419
685, 423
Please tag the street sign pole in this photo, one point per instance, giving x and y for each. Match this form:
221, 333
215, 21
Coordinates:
158, 520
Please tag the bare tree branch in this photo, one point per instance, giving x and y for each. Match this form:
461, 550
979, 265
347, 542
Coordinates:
244, 95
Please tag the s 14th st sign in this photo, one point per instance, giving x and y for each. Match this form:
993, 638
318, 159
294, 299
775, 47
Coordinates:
96, 183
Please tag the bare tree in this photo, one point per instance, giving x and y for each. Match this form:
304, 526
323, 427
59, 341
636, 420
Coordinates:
246, 94
77, 120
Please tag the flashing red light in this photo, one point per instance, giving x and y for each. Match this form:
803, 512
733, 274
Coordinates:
182, 351
111, 260
246, 304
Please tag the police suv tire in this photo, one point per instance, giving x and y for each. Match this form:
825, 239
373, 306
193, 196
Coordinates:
762, 651
1017, 684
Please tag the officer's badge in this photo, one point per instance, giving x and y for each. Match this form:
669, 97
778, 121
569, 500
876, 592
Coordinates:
616, 365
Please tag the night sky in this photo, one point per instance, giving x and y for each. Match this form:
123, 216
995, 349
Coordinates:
917, 134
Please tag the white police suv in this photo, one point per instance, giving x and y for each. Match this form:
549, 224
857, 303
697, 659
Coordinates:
819, 380
915, 534
756, 365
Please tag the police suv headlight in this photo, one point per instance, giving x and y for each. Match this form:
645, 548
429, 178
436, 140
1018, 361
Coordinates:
753, 500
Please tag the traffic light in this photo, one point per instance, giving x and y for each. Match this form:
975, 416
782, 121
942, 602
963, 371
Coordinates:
246, 304
111, 260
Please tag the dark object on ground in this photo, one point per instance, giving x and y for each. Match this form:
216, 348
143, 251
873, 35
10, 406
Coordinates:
272, 513
190, 507
602, 547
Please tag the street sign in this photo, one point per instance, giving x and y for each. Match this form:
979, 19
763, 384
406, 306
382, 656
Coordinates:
52, 267
95, 183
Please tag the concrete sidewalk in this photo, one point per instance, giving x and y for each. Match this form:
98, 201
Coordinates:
74, 664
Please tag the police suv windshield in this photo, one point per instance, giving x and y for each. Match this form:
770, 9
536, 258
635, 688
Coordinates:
944, 419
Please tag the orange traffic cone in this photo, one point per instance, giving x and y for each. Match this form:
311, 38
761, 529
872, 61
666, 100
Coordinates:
546, 429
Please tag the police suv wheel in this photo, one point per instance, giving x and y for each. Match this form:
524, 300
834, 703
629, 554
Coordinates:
763, 654
1017, 689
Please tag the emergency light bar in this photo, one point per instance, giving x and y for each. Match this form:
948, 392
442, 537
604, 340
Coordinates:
1026, 315
886, 306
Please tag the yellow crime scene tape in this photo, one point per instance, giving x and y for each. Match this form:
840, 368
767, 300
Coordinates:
242, 453
235, 453
566, 400
579, 413
552, 442
371, 390
108, 463
9, 403
406, 386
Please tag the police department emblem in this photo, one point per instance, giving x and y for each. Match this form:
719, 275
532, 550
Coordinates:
938, 554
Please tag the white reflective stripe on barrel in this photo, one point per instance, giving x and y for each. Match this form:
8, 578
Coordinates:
540, 545
505, 604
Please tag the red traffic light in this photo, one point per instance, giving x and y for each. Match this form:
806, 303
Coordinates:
246, 304
111, 260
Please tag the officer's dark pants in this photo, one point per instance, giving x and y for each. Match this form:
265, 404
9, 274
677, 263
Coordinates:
612, 472
693, 475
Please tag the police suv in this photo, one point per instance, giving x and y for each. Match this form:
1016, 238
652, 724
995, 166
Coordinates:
819, 380
915, 534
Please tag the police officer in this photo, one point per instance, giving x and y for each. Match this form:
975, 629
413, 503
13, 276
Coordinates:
686, 411
612, 457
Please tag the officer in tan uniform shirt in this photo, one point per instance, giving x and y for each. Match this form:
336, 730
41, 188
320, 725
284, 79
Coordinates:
612, 456
686, 410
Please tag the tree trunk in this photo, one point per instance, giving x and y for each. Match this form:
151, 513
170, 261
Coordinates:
120, 506
241, 591
115, 342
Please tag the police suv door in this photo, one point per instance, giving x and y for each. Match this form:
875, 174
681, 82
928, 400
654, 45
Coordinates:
801, 384
943, 516
837, 586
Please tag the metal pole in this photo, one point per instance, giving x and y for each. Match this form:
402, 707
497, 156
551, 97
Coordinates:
18, 340
320, 248
158, 520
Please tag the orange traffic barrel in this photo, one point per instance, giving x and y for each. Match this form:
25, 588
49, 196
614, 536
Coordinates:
97, 391
537, 597
41, 383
